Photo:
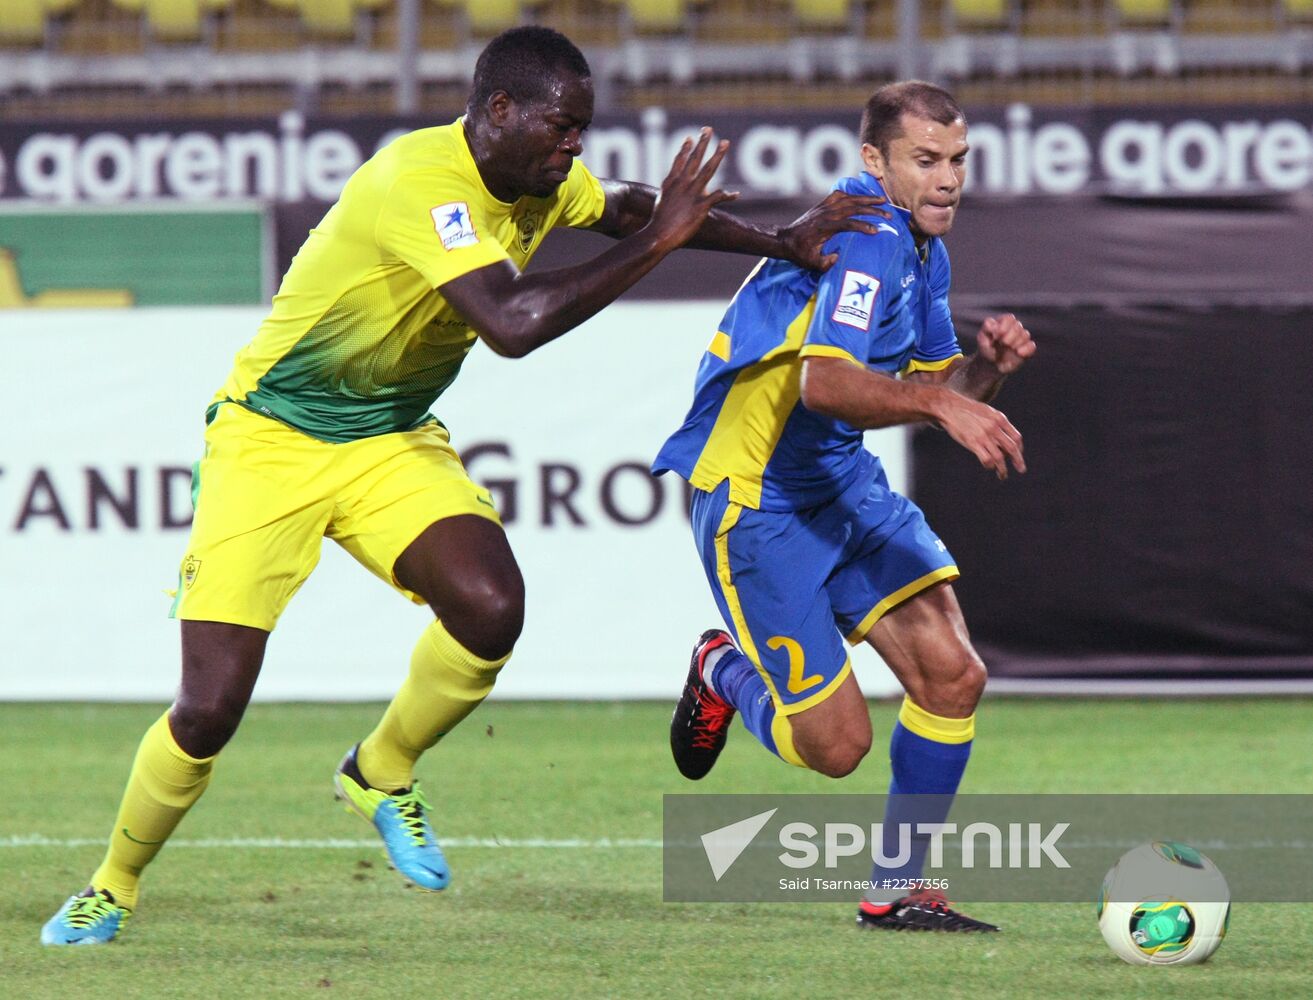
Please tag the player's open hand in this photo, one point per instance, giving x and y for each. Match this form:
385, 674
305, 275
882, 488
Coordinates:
1004, 343
801, 240
983, 431
684, 202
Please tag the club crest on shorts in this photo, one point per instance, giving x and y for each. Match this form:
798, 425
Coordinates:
453, 225
190, 567
856, 300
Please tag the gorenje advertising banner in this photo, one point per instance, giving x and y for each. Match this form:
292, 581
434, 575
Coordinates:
95, 507
1017, 150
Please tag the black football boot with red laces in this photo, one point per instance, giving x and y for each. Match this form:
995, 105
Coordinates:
923, 910
700, 725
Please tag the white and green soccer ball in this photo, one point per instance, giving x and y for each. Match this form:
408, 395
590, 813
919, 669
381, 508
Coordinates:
1164, 903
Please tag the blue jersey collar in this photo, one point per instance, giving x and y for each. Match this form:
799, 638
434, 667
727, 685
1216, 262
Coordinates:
870, 184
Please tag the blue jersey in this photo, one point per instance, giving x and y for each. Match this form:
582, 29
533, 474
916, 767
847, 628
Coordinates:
883, 305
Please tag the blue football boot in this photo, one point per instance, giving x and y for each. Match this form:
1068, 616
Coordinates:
401, 819
90, 917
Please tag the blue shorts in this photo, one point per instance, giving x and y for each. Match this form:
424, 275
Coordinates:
791, 585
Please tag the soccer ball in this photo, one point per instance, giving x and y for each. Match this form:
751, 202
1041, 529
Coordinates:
1164, 903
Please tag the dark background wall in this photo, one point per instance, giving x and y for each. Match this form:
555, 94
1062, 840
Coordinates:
1166, 524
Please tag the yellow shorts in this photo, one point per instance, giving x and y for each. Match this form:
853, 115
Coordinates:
266, 495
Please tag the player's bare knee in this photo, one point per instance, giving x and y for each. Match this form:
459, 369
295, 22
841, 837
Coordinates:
840, 762
956, 689
970, 684
853, 753
203, 726
840, 756
488, 619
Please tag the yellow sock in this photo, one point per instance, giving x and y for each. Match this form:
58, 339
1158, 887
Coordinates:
446, 683
165, 782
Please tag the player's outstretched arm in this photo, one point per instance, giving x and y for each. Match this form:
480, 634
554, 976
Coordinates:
629, 206
867, 400
516, 313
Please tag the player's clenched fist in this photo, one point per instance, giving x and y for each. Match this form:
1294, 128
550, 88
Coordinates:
684, 202
1004, 343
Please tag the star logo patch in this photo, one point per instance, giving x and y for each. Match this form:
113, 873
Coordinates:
453, 225
856, 300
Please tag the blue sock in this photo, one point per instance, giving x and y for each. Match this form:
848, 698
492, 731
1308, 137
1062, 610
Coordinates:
928, 754
736, 680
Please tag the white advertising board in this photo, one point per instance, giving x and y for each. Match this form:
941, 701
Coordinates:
103, 415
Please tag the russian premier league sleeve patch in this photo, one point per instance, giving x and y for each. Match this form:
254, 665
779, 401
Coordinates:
454, 226
856, 300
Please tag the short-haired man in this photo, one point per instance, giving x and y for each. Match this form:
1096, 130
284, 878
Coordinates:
801, 539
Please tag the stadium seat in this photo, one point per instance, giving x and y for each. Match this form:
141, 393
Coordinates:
174, 20
321, 18
821, 13
491, 16
663, 16
586, 22
1142, 11
23, 23
657, 15
328, 17
484, 17
987, 16
992, 13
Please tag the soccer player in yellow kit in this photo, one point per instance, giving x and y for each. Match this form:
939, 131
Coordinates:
323, 429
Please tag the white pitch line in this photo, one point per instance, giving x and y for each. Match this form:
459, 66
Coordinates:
281, 843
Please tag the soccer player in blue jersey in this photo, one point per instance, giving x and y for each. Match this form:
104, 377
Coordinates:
323, 430
802, 540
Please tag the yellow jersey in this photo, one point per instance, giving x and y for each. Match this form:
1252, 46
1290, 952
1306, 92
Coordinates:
360, 340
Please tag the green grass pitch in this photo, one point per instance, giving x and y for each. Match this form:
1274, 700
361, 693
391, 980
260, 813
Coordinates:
228, 919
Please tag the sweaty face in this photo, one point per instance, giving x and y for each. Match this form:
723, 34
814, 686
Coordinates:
924, 172
546, 134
